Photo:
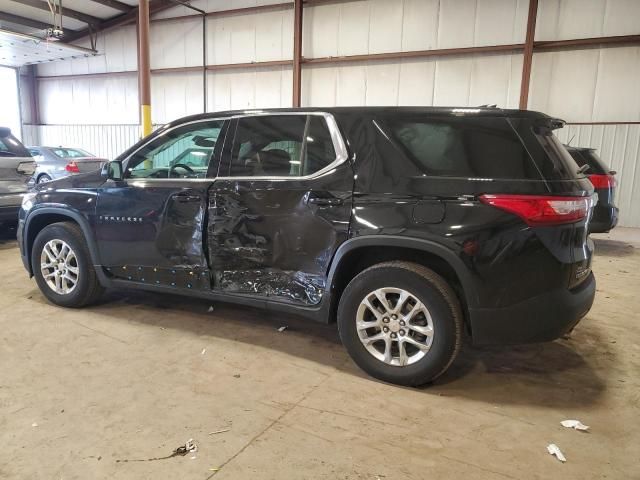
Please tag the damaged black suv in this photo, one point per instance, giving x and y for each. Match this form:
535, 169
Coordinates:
409, 226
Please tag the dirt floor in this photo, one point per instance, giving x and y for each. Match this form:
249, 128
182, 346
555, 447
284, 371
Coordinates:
106, 391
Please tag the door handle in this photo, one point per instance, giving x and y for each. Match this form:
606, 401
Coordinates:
186, 198
324, 201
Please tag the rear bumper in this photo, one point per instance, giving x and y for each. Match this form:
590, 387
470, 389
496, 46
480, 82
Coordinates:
538, 319
605, 217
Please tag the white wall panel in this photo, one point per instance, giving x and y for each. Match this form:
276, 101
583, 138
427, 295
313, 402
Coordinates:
565, 19
213, 6
378, 26
175, 95
619, 147
250, 37
98, 100
107, 141
256, 88
176, 44
590, 85
464, 81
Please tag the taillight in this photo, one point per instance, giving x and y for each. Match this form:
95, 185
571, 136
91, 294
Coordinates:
537, 210
603, 181
72, 167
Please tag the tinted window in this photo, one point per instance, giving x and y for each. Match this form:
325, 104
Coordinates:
281, 146
10, 146
459, 147
184, 152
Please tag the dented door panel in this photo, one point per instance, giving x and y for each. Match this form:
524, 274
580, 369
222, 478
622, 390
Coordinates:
276, 238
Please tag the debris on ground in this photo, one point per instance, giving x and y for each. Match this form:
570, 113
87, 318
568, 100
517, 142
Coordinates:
34, 424
210, 309
575, 424
189, 447
237, 375
204, 350
282, 329
219, 431
181, 451
553, 449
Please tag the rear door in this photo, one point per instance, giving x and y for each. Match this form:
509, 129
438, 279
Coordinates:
150, 226
280, 207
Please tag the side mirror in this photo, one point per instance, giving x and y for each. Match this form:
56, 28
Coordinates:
113, 171
26, 168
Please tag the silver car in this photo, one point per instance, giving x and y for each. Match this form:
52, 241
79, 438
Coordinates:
16, 173
57, 162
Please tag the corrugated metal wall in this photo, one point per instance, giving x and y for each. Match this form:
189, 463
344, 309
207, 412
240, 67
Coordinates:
587, 85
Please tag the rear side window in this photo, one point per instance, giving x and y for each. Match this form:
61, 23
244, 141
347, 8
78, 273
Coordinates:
281, 146
459, 147
10, 146
588, 157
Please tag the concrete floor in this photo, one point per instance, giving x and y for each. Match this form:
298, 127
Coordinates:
95, 393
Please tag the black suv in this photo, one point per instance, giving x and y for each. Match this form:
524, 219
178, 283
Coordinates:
605, 212
407, 225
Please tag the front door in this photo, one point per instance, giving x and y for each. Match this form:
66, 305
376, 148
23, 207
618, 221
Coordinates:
150, 226
280, 207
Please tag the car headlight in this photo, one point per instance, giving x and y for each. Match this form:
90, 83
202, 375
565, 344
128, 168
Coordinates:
28, 200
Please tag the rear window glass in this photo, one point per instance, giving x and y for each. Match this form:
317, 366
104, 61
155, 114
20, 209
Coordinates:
588, 157
10, 146
70, 153
460, 147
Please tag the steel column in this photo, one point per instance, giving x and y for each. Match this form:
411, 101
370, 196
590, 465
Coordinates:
528, 53
144, 67
297, 52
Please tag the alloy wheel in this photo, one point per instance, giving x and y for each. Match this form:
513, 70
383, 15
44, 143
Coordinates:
394, 326
59, 267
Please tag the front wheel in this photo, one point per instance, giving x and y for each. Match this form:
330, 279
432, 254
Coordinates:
62, 266
401, 323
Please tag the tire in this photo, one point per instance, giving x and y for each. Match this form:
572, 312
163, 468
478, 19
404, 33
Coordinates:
87, 289
442, 317
44, 178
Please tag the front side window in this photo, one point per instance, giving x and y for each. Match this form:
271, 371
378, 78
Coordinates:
184, 152
281, 146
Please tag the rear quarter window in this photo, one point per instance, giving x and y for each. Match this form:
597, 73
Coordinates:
459, 146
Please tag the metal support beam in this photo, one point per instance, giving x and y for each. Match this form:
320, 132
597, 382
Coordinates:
528, 54
67, 12
25, 22
34, 97
297, 52
144, 67
115, 4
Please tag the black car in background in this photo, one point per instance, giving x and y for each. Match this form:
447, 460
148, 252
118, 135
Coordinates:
409, 226
605, 213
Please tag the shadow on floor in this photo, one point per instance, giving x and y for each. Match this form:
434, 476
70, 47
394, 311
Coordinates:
552, 374
612, 248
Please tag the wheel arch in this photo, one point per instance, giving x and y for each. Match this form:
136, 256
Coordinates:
42, 217
359, 253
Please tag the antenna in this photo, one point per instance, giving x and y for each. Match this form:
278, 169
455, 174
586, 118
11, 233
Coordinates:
571, 140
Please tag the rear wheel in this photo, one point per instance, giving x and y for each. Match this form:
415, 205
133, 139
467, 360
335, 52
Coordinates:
400, 322
62, 266
44, 178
